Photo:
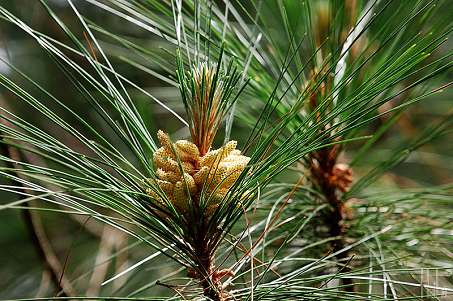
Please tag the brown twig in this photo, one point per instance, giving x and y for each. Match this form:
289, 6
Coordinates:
324, 175
69, 252
158, 282
33, 223
39, 238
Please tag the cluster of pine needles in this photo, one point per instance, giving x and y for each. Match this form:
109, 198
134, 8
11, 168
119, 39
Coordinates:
285, 128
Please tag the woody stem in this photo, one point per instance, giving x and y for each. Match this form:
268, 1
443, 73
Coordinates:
325, 162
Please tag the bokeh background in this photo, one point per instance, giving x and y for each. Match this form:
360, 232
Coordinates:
21, 270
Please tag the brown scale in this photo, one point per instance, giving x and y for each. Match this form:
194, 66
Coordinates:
341, 176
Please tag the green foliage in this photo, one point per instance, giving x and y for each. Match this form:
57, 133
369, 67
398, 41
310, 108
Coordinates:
311, 90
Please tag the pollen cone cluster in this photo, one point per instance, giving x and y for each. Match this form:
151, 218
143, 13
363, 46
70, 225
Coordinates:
186, 177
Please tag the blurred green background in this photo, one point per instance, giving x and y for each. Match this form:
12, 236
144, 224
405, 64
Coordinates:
21, 271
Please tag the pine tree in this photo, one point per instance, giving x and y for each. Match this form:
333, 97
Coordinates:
245, 150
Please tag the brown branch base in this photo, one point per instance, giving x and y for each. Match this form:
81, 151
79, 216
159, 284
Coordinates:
209, 279
329, 177
212, 287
